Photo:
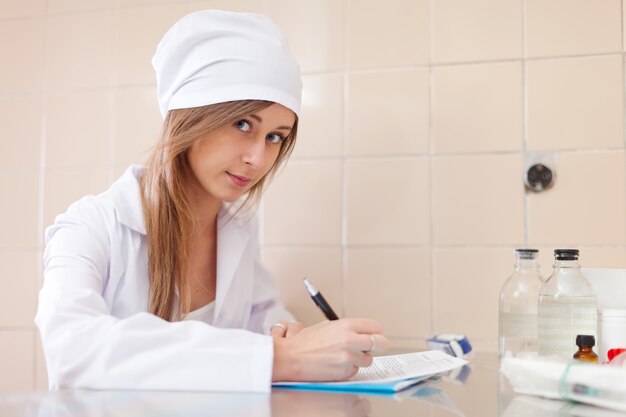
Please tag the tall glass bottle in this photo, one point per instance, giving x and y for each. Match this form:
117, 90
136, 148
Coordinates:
567, 307
518, 305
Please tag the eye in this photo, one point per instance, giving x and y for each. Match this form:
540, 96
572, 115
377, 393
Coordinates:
275, 138
243, 125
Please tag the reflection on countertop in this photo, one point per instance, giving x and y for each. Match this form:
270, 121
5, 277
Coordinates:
477, 389
524, 405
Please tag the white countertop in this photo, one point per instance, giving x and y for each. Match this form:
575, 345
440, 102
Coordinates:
476, 390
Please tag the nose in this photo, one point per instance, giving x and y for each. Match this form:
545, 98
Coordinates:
254, 153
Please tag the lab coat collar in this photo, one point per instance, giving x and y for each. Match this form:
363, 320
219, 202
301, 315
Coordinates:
232, 240
232, 233
127, 199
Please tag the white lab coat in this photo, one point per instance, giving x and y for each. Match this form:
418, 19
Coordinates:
93, 318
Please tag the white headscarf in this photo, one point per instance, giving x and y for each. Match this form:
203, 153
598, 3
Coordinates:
214, 56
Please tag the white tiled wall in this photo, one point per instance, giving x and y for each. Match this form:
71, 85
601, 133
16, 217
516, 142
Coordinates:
562, 27
387, 113
576, 103
469, 94
404, 197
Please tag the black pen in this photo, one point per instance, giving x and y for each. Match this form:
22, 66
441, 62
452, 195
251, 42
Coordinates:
319, 300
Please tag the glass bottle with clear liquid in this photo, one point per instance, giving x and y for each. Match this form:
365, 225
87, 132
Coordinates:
518, 306
567, 307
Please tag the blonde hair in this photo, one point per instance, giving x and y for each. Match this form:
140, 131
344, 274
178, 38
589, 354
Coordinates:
167, 211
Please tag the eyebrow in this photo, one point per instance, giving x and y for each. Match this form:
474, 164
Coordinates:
258, 119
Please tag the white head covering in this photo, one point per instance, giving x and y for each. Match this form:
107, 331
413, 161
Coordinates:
214, 56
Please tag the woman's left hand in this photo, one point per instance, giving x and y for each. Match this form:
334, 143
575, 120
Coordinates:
288, 329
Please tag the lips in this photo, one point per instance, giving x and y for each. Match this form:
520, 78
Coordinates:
239, 180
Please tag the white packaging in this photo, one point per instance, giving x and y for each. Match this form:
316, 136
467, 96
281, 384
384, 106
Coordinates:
609, 286
612, 331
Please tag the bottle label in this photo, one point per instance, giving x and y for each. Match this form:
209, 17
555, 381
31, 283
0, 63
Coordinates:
561, 319
518, 324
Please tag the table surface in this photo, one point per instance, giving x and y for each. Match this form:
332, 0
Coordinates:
477, 389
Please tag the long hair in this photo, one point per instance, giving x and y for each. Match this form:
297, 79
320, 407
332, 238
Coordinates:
167, 211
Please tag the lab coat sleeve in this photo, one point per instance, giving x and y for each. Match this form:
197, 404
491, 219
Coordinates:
267, 309
86, 347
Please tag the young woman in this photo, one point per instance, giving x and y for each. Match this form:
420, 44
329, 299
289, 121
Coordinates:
157, 283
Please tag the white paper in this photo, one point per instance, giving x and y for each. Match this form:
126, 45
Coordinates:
407, 365
397, 368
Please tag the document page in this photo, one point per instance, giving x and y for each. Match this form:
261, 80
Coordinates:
407, 365
395, 368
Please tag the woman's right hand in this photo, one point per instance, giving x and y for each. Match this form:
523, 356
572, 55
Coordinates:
328, 351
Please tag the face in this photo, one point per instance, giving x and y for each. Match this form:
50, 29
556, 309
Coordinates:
230, 161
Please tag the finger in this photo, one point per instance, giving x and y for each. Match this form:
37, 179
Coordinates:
293, 328
382, 343
363, 360
371, 343
363, 325
354, 369
366, 343
279, 329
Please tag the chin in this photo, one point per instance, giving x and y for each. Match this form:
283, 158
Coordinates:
232, 198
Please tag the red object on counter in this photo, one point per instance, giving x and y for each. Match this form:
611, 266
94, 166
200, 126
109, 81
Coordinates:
614, 352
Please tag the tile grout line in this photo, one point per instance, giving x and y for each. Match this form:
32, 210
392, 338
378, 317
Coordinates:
42, 182
345, 5
623, 99
429, 246
431, 146
113, 99
524, 87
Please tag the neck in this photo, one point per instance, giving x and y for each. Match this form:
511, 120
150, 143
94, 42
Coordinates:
205, 207
206, 213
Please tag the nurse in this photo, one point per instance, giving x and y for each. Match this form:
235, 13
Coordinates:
157, 282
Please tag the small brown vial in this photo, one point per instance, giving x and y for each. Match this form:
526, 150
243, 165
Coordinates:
585, 345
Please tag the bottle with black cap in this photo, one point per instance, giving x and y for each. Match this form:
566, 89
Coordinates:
567, 307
